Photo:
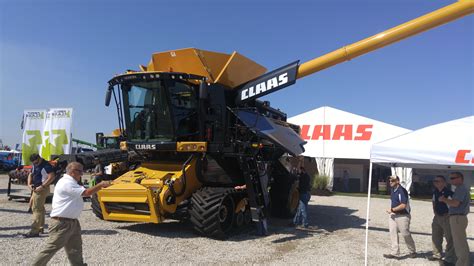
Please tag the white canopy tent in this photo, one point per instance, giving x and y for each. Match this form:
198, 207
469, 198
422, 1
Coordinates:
331, 133
448, 145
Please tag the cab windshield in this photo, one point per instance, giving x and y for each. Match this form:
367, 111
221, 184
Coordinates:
160, 111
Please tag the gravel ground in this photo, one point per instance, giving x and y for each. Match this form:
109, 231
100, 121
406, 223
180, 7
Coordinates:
338, 239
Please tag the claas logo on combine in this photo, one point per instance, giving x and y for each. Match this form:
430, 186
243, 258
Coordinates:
337, 132
145, 146
264, 86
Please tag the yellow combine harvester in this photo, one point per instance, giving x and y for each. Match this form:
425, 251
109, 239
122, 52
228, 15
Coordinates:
194, 128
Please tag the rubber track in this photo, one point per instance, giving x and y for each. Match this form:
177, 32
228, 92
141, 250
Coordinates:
96, 207
204, 211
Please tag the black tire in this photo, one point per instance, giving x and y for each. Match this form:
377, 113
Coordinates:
212, 212
13, 175
239, 220
22, 176
284, 196
18, 176
96, 207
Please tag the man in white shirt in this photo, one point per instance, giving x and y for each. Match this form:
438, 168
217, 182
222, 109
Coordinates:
65, 230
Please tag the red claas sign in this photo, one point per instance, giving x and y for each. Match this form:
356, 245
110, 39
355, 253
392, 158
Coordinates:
336, 132
462, 156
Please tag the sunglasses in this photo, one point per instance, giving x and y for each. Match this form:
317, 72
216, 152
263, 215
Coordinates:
77, 170
453, 177
438, 181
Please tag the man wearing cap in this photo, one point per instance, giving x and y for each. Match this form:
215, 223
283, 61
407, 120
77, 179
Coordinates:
41, 176
399, 219
440, 225
65, 230
458, 210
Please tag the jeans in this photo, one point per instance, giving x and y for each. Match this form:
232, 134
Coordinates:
301, 216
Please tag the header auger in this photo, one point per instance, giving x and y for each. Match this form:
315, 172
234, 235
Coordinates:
195, 130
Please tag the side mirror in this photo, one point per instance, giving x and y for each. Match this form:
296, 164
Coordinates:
108, 94
203, 90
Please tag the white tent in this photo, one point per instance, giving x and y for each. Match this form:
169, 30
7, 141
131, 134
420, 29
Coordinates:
331, 133
448, 145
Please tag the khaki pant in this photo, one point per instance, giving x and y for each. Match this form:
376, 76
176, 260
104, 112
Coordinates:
400, 223
458, 225
440, 228
62, 233
37, 207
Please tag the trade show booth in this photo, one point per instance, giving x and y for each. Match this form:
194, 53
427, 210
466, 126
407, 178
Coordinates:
340, 142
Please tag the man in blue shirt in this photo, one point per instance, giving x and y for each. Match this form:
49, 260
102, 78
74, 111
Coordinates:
42, 175
458, 210
440, 226
399, 219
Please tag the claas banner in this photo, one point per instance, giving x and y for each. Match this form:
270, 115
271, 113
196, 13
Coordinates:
46, 132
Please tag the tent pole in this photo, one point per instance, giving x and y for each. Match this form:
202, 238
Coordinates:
369, 186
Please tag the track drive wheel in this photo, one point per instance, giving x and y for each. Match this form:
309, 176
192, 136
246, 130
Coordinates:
284, 196
212, 211
96, 207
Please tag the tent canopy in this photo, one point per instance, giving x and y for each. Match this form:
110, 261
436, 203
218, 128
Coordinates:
448, 145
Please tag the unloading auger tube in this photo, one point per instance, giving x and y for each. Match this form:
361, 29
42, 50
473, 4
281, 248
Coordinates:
287, 75
192, 121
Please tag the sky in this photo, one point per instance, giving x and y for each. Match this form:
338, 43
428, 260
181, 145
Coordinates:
62, 53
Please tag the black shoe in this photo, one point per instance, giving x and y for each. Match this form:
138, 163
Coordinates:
412, 255
447, 263
30, 235
390, 256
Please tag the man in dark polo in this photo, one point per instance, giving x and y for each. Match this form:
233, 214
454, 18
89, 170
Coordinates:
440, 226
399, 219
41, 176
458, 210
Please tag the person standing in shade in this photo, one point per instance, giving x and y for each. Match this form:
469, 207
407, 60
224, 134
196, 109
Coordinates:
399, 219
65, 230
301, 217
42, 175
440, 226
345, 180
458, 210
